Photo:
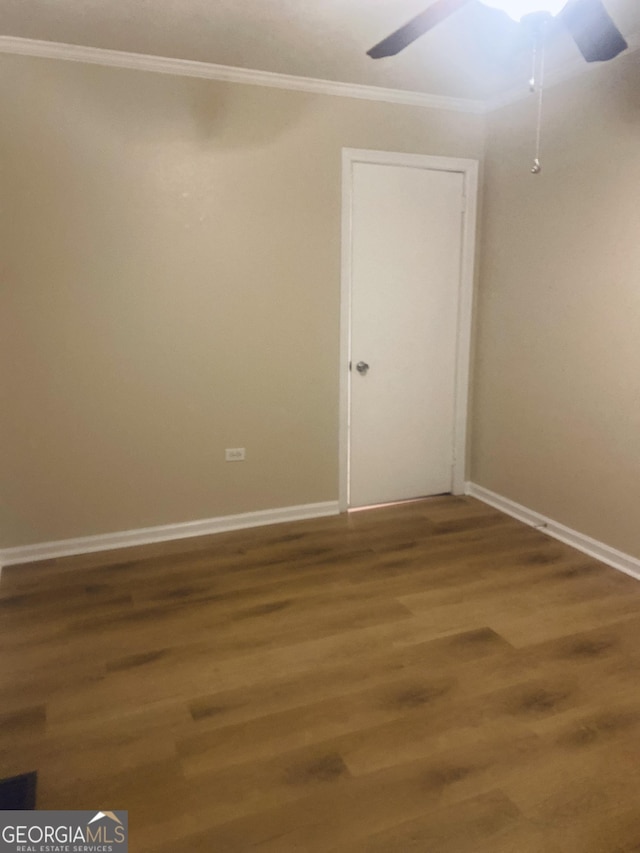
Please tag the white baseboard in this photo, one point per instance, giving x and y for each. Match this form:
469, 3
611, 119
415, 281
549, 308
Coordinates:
605, 553
164, 533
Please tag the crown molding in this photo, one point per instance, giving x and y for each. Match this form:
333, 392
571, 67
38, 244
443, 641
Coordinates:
271, 79
229, 74
566, 72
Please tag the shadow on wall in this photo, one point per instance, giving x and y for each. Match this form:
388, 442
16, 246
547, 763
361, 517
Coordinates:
626, 88
254, 118
160, 109
143, 108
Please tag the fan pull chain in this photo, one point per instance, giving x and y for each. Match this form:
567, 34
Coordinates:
537, 83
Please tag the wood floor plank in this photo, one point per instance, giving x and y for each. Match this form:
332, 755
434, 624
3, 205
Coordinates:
430, 676
460, 828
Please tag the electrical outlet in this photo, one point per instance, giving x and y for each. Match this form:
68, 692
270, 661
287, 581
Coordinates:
234, 454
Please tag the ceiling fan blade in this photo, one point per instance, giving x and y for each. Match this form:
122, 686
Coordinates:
416, 27
594, 32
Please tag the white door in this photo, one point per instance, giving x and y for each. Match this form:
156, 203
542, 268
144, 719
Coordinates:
406, 240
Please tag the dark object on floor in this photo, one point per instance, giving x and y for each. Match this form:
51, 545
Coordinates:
18, 792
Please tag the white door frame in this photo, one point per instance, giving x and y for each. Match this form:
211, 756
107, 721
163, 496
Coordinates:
469, 170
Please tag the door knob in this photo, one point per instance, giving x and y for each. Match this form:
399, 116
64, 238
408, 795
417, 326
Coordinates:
362, 367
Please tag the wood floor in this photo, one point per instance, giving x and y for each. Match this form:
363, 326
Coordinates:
426, 677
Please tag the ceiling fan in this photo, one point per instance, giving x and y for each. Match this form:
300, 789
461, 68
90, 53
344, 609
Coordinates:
588, 22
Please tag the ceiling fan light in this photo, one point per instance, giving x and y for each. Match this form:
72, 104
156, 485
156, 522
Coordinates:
517, 9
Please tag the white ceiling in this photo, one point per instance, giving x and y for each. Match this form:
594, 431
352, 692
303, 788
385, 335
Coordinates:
477, 53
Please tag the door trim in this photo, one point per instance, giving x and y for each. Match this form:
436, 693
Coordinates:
469, 170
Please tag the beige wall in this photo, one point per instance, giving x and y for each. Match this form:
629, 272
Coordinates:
557, 382
170, 287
